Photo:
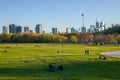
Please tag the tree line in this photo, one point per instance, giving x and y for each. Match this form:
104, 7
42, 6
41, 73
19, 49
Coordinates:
112, 30
109, 36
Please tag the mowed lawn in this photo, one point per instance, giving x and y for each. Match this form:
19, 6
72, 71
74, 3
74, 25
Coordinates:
30, 62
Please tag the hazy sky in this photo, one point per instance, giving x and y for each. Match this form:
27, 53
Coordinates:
58, 13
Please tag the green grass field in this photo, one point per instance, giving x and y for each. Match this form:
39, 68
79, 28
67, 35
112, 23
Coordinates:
27, 62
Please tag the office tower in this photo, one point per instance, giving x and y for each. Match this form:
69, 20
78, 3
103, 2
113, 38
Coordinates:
38, 29
54, 30
26, 30
68, 30
12, 28
78, 30
73, 30
91, 29
5, 30
102, 26
105, 26
97, 24
19, 29
83, 29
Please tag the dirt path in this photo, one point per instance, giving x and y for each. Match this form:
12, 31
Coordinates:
112, 54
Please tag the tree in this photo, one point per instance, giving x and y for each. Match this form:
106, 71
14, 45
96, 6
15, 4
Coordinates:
5, 37
109, 39
118, 39
73, 39
99, 39
113, 41
112, 30
85, 37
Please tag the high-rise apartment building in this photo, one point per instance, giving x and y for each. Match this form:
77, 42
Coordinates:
91, 29
73, 30
38, 29
12, 28
68, 30
97, 24
19, 29
54, 31
5, 30
83, 29
78, 30
26, 30
102, 26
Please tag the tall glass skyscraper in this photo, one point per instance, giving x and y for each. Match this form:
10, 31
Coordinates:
19, 29
26, 30
12, 28
38, 29
5, 30
54, 30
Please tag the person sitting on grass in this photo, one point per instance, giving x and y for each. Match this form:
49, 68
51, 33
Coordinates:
104, 58
51, 67
101, 57
60, 67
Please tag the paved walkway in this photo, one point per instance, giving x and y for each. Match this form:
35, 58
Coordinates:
112, 54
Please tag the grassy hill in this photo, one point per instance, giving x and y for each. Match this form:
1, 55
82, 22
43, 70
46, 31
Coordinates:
30, 61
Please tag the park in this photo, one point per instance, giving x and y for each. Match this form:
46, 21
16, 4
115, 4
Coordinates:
32, 61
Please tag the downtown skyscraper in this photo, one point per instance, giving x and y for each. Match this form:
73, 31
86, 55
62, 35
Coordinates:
12, 28
38, 29
5, 30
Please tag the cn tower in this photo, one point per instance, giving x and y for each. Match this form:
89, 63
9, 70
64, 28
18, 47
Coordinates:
83, 28
82, 20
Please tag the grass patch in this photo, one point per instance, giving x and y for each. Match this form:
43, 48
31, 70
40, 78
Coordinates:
25, 62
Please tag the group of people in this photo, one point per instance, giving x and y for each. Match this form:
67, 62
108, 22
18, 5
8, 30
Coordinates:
86, 52
37, 46
102, 57
52, 68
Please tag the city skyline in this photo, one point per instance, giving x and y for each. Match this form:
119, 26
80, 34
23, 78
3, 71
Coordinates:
14, 28
58, 13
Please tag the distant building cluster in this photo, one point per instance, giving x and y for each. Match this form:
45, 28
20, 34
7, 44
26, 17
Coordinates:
113, 25
13, 28
99, 26
71, 30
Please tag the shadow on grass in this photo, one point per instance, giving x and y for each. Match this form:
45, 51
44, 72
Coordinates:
85, 70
